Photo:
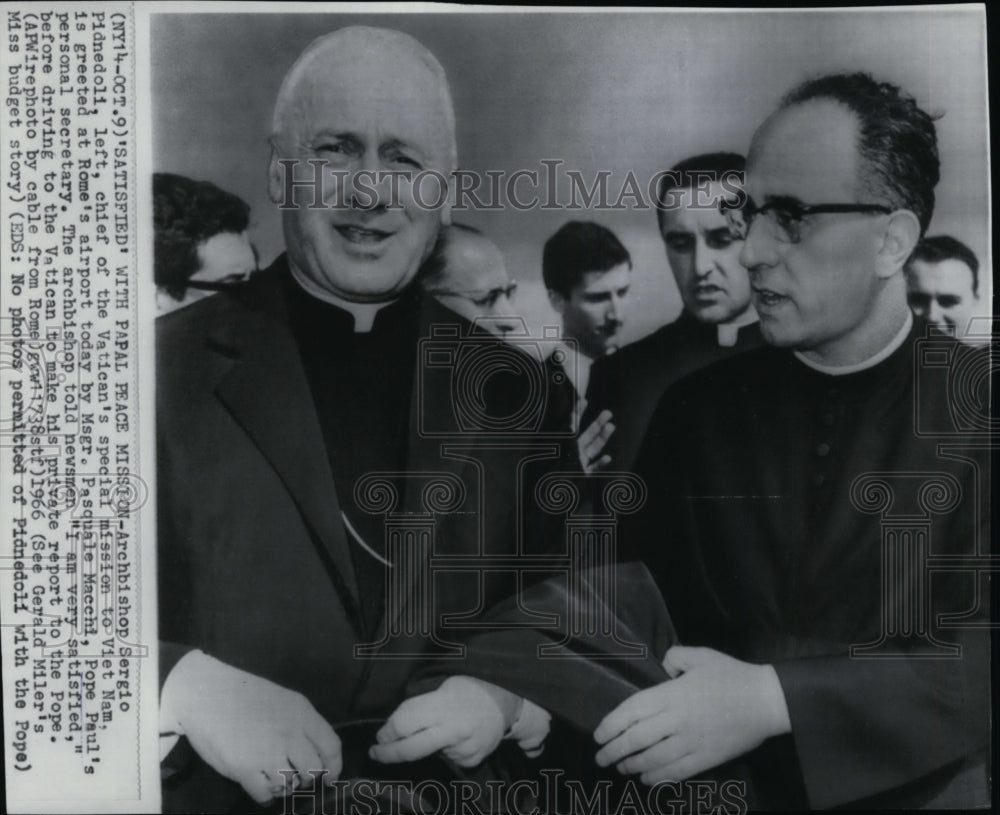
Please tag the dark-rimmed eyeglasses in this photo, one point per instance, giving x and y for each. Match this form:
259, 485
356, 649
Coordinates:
484, 298
786, 217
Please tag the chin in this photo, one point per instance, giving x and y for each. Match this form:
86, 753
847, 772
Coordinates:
709, 314
364, 284
774, 335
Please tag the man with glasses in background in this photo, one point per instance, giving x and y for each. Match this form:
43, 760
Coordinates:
777, 482
466, 274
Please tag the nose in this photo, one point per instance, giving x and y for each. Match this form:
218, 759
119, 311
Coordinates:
934, 312
703, 260
616, 309
503, 307
759, 248
369, 184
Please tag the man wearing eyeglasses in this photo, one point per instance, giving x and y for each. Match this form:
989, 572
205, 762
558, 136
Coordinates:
466, 274
718, 318
783, 484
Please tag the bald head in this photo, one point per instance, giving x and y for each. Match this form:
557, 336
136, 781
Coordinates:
377, 68
466, 273
366, 115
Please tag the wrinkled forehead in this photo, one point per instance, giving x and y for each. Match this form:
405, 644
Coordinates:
698, 205
363, 82
809, 152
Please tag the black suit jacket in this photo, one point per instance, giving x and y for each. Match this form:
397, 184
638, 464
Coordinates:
255, 564
254, 560
630, 382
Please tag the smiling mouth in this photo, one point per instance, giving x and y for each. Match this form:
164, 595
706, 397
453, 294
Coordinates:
362, 235
768, 298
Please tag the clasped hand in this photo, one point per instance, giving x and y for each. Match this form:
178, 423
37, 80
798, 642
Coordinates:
715, 709
464, 718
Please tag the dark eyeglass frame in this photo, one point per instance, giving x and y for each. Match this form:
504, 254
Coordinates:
741, 218
484, 298
223, 284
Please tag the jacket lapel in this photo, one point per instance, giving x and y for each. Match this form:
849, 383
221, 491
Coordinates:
267, 393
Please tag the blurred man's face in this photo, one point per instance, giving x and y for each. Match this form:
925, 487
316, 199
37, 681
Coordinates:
814, 295
704, 258
364, 111
226, 257
475, 283
942, 293
594, 312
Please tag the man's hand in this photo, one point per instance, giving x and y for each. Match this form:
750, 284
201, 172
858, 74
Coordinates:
465, 719
716, 709
591, 442
531, 729
247, 728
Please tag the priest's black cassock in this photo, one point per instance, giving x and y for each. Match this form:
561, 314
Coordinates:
786, 523
631, 382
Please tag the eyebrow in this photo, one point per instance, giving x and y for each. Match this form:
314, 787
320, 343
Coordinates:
787, 200
326, 134
389, 144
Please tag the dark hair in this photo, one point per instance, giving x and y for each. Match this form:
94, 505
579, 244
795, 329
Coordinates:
185, 214
435, 266
695, 171
897, 140
944, 247
577, 248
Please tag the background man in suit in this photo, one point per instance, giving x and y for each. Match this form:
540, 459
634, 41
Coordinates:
718, 318
777, 481
586, 271
273, 404
943, 285
466, 274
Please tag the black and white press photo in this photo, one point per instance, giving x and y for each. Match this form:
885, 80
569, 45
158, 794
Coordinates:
434, 409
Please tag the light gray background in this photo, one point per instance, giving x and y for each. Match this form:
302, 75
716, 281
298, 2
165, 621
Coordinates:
600, 91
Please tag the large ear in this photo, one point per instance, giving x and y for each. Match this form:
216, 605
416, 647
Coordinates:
275, 174
449, 193
902, 232
557, 301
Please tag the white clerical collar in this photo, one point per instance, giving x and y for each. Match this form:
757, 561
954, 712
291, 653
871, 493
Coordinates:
728, 333
363, 313
871, 362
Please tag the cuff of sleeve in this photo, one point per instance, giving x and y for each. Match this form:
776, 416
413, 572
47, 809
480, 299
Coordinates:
181, 683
